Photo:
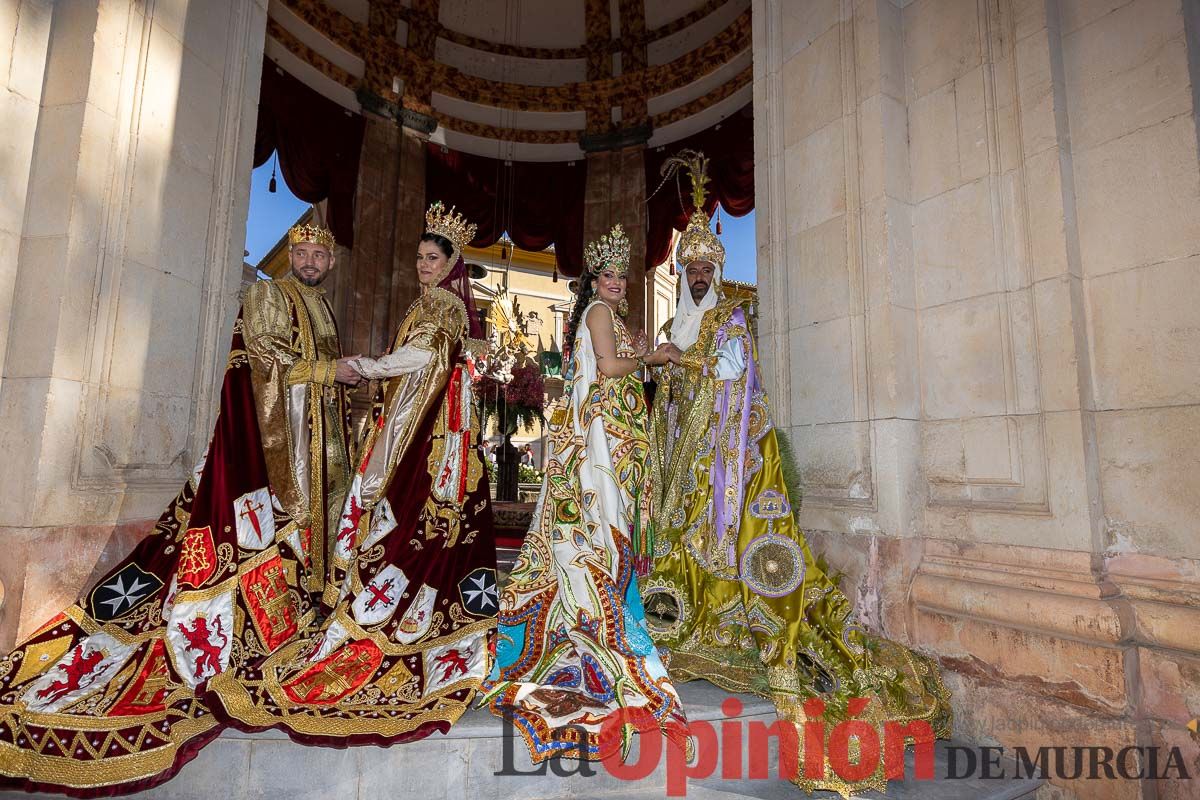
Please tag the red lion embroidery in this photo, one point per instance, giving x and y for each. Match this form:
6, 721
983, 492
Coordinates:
82, 664
198, 640
354, 515
452, 662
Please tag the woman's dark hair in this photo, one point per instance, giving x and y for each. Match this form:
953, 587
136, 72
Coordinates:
444, 244
587, 293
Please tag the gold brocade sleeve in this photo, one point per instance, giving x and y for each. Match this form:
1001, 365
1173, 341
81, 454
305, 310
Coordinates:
693, 360
267, 322
428, 328
307, 370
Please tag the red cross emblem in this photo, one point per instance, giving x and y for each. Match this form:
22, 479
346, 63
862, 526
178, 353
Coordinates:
379, 594
250, 512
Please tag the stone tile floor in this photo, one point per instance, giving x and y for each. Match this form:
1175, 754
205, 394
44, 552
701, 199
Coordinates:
463, 763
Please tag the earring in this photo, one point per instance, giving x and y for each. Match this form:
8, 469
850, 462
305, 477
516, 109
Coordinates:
623, 307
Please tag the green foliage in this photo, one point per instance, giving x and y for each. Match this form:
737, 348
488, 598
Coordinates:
791, 472
527, 474
523, 417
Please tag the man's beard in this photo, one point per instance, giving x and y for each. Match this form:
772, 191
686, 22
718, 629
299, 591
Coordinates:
309, 281
698, 292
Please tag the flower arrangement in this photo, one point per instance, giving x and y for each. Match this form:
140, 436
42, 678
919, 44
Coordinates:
525, 395
518, 401
490, 393
528, 474
508, 378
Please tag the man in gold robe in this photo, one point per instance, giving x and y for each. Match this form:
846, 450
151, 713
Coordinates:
735, 594
299, 379
116, 693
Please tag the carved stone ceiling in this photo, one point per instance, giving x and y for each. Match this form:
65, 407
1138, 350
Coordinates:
525, 79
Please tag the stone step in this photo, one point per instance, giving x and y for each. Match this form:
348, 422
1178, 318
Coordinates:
464, 763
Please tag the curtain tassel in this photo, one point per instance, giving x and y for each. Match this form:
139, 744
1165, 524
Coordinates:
271, 185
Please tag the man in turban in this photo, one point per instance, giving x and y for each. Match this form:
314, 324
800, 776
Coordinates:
735, 594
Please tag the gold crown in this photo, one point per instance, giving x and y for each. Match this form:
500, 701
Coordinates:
449, 224
610, 251
697, 242
311, 233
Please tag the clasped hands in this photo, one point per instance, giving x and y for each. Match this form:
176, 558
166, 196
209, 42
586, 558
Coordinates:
661, 355
665, 352
346, 373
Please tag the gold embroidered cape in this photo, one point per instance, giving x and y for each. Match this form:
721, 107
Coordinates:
114, 691
411, 601
735, 593
292, 341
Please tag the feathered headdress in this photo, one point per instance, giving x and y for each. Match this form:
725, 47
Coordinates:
697, 242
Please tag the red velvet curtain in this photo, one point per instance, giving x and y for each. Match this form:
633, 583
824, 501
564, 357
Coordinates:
318, 143
730, 149
538, 203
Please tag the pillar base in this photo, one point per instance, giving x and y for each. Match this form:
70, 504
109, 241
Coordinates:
1041, 647
46, 569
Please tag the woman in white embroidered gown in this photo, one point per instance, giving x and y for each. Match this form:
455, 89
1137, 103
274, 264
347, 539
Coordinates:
573, 647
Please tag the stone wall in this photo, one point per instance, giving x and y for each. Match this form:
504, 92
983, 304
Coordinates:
979, 225
22, 67
129, 131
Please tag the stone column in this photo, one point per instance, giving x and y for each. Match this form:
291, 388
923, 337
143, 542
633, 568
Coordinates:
26, 28
410, 214
616, 192
365, 285
837, 321
138, 157
977, 238
374, 289
1118, 286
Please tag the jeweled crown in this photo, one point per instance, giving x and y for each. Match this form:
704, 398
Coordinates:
315, 234
697, 242
452, 225
610, 251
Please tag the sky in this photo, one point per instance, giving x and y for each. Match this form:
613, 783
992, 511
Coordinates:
737, 234
272, 214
